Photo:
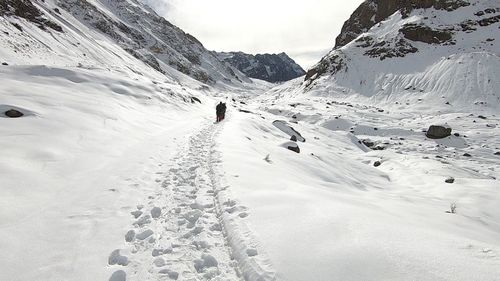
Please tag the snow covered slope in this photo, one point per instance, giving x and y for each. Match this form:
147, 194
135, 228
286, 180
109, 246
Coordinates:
446, 57
101, 126
367, 198
83, 27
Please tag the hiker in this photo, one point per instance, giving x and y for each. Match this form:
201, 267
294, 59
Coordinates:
218, 112
223, 112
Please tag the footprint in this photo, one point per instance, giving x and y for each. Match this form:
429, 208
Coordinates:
159, 252
116, 258
251, 252
143, 220
156, 212
136, 214
159, 262
129, 237
145, 234
119, 275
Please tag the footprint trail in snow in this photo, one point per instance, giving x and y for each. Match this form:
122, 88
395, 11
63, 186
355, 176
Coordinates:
178, 234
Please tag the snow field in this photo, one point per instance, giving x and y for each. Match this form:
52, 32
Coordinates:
73, 167
330, 209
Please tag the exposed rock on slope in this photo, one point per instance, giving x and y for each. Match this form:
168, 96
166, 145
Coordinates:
268, 67
374, 11
446, 51
25, 9
151, 38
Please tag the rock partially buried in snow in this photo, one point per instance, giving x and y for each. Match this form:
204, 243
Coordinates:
450, 180
377, 163
438, 132
13, 113
291, 146
289, 130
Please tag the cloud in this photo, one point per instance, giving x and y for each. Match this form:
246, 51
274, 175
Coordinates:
306, 30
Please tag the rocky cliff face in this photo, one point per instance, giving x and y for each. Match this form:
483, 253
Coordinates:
433, 22
267, 67
372, 12
25, 9
150, 38
435, 49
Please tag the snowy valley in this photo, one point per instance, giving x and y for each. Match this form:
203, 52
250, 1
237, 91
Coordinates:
117, 171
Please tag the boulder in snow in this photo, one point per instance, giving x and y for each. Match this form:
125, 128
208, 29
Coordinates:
13, 113
287, 129
450, 180
438, 132
294, 148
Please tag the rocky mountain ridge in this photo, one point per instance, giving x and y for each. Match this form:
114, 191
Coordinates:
435, 49
130, 24
267, 67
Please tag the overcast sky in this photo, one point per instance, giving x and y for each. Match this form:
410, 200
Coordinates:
304, 29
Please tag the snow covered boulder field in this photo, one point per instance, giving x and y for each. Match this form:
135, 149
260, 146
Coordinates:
341, 210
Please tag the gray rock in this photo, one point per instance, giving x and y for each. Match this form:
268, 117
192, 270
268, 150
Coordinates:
12, 113
294, 148
438, 132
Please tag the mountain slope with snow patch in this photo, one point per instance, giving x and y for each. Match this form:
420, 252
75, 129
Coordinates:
444, 58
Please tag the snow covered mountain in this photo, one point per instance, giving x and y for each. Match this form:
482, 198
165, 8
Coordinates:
128, 23
442, 52
267, 67
112, 167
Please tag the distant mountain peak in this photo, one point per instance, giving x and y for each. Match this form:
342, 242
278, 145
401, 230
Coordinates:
269, 67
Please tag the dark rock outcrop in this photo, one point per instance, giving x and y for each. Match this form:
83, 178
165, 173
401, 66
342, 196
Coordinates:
425, 34
438, 132
13, 113
26, 10
267, 67
372, 12
294, 148
151, 38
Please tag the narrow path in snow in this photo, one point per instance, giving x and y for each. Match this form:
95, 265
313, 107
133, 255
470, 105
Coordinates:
178, 234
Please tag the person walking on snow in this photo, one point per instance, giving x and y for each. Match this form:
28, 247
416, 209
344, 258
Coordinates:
218, 112
224, 107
